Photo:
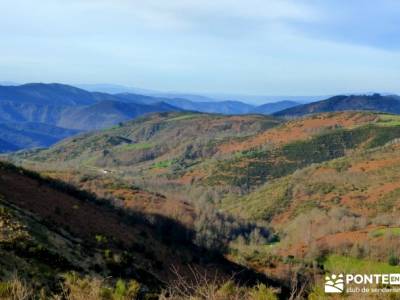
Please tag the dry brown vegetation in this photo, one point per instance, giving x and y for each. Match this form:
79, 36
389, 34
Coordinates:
299, 129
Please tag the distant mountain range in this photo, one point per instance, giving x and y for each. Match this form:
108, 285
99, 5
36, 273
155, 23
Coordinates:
39, 115
270, 108
223, 107
197, 97
228, 107
374, 102
120, 89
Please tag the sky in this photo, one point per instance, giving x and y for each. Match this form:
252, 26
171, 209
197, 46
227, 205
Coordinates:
257, 47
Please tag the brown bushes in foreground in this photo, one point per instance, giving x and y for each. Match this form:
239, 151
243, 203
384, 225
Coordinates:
75, 287
204, 287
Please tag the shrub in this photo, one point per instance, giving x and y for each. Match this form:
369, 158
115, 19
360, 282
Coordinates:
317, 294
206, 287
87, 288
120, 290
76, 288
228, 290
124, 291
133, 289
261, 292
393, 260
15, 289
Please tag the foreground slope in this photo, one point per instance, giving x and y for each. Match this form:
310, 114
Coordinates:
48, 228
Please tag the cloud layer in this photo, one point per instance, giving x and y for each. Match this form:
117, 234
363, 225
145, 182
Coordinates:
236, 46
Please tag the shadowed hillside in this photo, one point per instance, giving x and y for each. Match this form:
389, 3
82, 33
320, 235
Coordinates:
49, 228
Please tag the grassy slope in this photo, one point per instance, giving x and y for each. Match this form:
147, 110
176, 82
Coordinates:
356, 144
343, 212
158, 152
341, 264
358, 176
347, 206
161, 133
185, 151
202, 150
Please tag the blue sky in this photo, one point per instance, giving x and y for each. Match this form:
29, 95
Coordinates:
268, 47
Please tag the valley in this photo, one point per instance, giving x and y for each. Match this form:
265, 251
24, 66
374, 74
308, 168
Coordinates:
287, 199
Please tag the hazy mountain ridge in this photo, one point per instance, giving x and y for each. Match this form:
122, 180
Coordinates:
199, 97
7, 147
107, 113
49, 94
74, 108
228, 107
222, 107
374, 102
270, 108
48, 103
70, 109
31, 135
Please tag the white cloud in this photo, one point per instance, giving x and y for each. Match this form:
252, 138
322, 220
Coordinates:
93, 16
253, 46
